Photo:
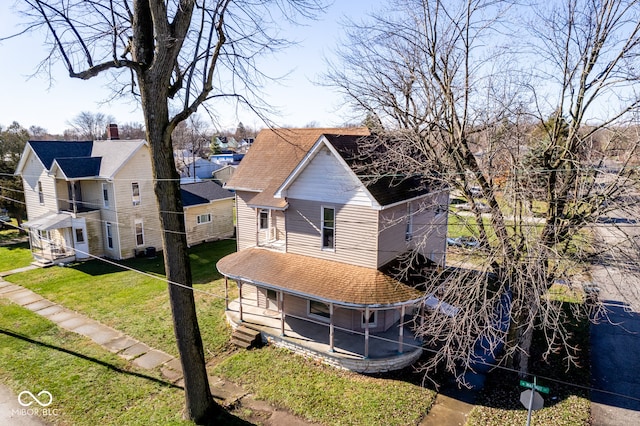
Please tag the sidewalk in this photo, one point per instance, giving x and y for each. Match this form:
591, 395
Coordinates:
225, 393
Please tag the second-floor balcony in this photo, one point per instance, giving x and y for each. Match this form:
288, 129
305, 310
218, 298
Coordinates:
79, 206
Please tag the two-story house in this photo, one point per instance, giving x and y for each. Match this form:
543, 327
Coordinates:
316, 235
90, 198
96, 199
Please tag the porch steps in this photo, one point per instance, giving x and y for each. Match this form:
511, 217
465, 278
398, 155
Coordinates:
245, 337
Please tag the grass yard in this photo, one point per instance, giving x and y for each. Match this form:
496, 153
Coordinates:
15, 256
138, 304
89, 385
323, 394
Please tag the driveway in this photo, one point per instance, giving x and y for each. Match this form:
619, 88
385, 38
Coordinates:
615, 344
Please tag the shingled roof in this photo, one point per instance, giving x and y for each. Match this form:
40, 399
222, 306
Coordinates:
273, 156
202, 193
319, 279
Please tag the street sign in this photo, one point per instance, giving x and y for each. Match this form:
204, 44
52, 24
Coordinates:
537, 387
534, 402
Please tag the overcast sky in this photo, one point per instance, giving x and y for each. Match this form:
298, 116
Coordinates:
31, 100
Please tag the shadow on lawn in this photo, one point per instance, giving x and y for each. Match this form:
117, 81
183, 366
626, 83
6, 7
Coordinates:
88, 358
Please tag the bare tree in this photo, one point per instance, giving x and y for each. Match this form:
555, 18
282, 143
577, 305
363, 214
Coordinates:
172, 56
12, 142
192, 138
132, 130
438, 83
90, 125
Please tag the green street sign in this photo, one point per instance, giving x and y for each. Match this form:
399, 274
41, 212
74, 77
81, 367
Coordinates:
530, 385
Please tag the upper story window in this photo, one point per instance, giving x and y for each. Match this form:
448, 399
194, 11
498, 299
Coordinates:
328, 228
105, 195
203, 218
408, 234
40, 193
135, 193
264, 219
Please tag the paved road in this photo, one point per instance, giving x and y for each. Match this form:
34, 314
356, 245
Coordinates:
12, 413
615, 344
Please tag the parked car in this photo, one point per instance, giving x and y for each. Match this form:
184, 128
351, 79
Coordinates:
476, 191
462, 242
482, 207
4, 218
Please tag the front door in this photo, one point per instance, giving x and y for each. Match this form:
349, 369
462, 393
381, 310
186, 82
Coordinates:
80, 238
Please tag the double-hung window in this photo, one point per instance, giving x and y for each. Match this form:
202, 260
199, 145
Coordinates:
203, 218
328, 228
40, 193
105, 195
109, 232
408, 234
135, 193
139, 233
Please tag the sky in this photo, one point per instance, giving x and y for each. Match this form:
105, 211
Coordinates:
35, 100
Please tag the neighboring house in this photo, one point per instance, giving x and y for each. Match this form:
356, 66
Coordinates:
87, 199
318, 237
224, 143
208, 211
197, 167
223, 175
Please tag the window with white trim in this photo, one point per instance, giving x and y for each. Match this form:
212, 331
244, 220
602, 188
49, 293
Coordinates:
105, 195
40, 193
79, 235
135, 193
139, 233
328, 228
109, 232
319, 310
408, 234
372, 321
203, 218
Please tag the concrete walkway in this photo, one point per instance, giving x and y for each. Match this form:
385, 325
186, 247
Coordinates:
141, 355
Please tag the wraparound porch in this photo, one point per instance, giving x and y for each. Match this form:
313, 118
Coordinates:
393, 349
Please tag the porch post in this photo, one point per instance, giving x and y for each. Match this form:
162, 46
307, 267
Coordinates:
401, 332
281, 308
240, 299
331, 330
366, 332
226, 293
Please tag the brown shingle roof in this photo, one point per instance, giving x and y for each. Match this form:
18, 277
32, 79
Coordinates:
317, 278
275, 154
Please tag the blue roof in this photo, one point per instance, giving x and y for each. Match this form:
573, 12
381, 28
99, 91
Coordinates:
47, 151
80, 167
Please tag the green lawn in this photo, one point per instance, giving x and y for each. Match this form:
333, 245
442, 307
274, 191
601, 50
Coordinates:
88, 385
138, 304
14, 256
323, 394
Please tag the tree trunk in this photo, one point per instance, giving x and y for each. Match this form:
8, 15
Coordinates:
199, 403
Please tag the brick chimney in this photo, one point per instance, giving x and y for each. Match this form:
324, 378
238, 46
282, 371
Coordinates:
112, 132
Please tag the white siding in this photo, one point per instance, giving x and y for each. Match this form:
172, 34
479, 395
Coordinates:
137, 169
33, 173
356, 232
326, 179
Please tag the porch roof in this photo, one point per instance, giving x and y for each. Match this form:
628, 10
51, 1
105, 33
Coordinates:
318, 279
49, 221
